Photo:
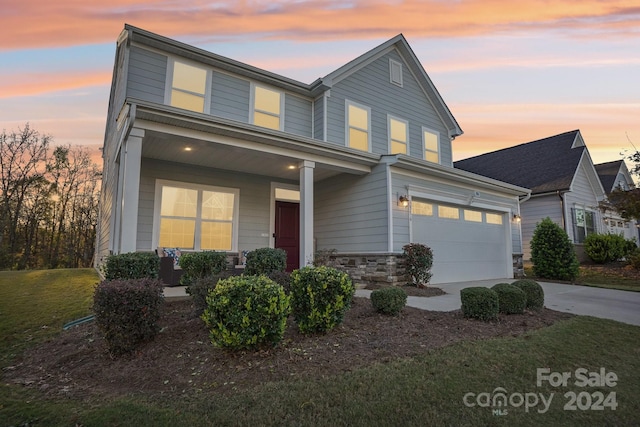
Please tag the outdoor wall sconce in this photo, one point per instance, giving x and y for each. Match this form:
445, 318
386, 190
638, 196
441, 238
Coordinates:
516, 218
403, 201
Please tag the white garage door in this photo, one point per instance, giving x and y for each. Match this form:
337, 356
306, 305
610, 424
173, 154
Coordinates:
467, 243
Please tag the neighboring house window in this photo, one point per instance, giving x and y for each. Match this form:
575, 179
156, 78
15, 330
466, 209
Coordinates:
398, 136
358, 125
583, 224
267, 108
196, 217
188, 87
431, 143
395, 71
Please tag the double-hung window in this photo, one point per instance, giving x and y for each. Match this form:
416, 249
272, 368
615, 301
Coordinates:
267, 108
196, 217
398, 135
358, 126
188, 87
583, 224
431, 144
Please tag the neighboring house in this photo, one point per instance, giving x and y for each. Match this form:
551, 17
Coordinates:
563, 181
615, 176
202, 152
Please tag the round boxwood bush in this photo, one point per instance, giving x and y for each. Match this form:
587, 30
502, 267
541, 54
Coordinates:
266, 261
511, 299
479, 303
246, 312
320, 297
389, 300
534, 292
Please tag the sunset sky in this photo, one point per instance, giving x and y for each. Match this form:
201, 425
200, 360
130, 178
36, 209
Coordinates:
510, 71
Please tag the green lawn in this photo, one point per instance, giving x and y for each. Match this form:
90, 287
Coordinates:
426, 390
606, 278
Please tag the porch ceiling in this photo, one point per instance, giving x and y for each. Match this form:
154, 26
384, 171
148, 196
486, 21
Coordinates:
163, 146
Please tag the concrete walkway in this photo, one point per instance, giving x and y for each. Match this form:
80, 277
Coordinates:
623, 306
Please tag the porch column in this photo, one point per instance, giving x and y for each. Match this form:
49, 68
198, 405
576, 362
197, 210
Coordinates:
306, 212
130, 158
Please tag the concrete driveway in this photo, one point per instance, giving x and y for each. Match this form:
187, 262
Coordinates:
623, 306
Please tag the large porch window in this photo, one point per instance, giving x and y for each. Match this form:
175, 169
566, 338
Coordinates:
195, 217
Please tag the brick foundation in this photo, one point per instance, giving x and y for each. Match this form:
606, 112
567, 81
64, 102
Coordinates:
518, 266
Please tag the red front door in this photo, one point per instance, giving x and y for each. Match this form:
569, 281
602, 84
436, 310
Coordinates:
288, 232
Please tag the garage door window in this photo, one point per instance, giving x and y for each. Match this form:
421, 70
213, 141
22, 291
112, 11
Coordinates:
473, 216
494, 219
421, 208
448, 212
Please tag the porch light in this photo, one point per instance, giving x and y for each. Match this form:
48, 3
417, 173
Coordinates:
403, 201
516, 218
188, 148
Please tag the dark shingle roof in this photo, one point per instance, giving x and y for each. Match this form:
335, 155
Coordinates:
544, 165
607, 172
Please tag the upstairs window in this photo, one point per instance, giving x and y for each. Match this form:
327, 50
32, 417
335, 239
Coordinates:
398, 136
267, 108
431, 143
358, 125
188, 87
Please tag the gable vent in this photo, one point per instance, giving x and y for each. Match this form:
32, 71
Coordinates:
395, 70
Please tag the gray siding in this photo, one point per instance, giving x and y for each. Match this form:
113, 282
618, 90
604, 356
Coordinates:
147, 75
254, 202
318, 118
297, 115
582, 195
230, 97
351, 212
370, 86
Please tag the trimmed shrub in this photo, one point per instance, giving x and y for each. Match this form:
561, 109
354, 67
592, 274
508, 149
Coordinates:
320, 297
479, 303
419, 260
534, 292
127, 312
634, 259
199, 289
605, 248
246, 312
197, 265
389, 300
552, 253
323, 257
132, 265
265, 261
283, 279
511, 299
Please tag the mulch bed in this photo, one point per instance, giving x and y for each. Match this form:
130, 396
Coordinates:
415, 291
182, 361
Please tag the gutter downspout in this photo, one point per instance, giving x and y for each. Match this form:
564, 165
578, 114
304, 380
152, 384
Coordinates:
562, 203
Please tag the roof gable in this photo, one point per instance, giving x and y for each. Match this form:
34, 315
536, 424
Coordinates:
400, 44
544, 165
608, 173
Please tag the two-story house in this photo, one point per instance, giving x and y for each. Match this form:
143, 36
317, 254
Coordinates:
202, 152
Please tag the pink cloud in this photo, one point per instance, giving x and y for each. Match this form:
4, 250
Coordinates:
31, 23
36, 83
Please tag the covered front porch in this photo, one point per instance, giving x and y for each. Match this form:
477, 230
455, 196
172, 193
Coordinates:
215, 184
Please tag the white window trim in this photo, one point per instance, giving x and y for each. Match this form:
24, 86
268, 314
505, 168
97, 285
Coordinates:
424, 147
406, 137
199, 187
347, 103
168, 87
252, 107
393, 63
